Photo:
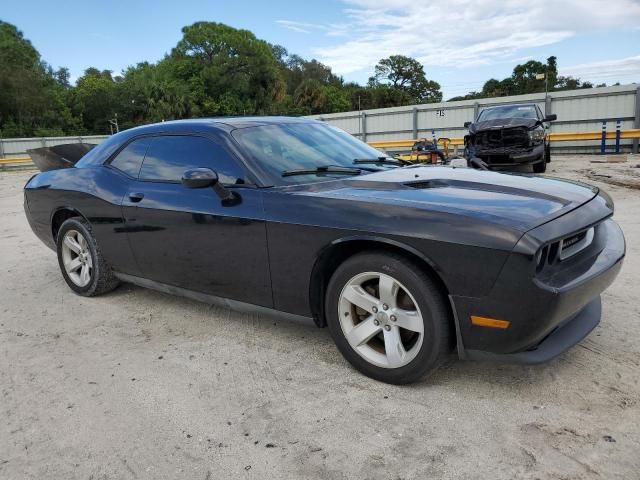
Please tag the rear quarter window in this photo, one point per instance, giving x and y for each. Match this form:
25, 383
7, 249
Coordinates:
129, 160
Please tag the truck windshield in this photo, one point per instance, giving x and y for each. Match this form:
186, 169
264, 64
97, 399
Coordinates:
508, 111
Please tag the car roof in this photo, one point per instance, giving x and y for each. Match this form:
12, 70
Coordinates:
511, 105
216, 123
195, 125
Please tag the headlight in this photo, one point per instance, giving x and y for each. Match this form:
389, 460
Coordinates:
536, 135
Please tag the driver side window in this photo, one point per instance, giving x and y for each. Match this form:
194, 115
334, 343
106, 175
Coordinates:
169, 156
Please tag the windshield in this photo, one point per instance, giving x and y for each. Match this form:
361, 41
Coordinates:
508, 111
286, 147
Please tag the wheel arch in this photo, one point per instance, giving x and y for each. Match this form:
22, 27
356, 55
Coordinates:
59, 216
341, 249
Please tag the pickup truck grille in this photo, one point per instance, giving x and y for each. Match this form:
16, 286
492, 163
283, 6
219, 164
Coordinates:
517, 137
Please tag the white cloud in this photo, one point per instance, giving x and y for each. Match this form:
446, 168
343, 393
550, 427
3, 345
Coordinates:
624, 70
331, 29
455, 32
300, 27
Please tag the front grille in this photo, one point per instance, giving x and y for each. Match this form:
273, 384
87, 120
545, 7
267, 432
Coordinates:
567, 242
503, 138
575, 243
515, 137
565, 248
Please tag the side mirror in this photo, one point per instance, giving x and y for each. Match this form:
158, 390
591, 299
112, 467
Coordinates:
199, 178
205, 177
467, 124
551, 118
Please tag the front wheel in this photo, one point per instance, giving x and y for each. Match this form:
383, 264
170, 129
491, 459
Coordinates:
540, 167
388, 317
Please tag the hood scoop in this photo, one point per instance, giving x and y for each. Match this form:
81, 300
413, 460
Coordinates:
424, 184
481, 187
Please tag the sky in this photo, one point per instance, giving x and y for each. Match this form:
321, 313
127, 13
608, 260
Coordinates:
461, 43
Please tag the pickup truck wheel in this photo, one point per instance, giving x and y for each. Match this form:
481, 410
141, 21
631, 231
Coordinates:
387, 317
82, 265
540, 167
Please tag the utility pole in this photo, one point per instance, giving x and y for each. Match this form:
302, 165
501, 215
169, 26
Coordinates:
359, 119
546, 87
114, 123
545, 77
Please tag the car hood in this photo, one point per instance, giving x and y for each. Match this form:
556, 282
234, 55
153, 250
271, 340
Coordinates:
519, 201
500, 123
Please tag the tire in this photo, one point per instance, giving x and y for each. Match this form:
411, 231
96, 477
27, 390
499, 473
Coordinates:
540, 167
547, 153
76, 246
414, 301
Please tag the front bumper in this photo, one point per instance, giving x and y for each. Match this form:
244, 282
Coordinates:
504, 157
548, 314
564, 337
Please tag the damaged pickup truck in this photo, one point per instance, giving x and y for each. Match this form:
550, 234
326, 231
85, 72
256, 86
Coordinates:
509, 135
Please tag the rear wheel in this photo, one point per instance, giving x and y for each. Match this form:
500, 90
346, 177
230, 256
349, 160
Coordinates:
82, 265
387, 317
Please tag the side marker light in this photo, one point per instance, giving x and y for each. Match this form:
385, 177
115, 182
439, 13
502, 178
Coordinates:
489, 322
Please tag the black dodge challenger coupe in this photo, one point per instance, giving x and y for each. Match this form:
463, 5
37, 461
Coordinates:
404, 264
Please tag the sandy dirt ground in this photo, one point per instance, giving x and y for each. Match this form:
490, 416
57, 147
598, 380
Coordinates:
141, 385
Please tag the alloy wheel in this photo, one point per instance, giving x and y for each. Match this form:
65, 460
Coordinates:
76, 258
381, 320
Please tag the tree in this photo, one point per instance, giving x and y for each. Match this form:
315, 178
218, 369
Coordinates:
310, 96
523, 80
31, 101
524, 77
231, 63
377, 96
62, 76
337, 99
407, 74
571, 83
216, 70
96, 99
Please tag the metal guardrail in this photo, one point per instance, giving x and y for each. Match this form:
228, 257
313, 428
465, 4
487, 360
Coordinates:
633, 133
15, 163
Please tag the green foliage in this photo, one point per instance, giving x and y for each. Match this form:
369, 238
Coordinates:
407, 74
214, 70
31, 95
377, 96
523, 80
95, 99
238, 71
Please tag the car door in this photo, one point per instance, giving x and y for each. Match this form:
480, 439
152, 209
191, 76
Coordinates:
121, 170
189, 238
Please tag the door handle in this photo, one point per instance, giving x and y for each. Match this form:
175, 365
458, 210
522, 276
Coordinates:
135, 197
